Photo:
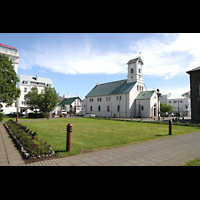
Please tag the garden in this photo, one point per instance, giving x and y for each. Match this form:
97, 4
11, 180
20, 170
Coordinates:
94, 134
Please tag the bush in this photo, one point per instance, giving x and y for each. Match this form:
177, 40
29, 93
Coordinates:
29, 143
1, 116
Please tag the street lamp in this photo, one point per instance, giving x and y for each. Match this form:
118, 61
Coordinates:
159, 94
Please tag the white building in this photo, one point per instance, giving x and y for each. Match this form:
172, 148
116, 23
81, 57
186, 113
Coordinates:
25, 84
72, 105
13, 55
125, 98
181, 104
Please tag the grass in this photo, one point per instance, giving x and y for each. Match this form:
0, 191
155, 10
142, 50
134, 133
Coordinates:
195, 162
93, 134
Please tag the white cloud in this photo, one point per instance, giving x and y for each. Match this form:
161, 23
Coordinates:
170, 55
163, 55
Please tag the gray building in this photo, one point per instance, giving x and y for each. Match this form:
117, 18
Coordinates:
195, 94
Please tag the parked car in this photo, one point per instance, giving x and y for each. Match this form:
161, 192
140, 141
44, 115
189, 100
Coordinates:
64, 112
90, 115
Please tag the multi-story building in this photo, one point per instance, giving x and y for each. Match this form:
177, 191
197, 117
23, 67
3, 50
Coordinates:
13, 55
180, 104
25, 84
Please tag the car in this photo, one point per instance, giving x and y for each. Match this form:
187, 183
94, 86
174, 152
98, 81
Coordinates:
64, 112
90, 115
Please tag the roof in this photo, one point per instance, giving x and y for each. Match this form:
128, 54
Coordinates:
145, 95
117, 87
135, 60
195, 69
33, 79
68, 101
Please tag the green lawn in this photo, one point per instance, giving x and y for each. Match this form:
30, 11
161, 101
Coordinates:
93, 134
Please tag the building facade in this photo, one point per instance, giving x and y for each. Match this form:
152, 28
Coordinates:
25, 84
195, 94
72, 105
13, 55
119, 98
180, 105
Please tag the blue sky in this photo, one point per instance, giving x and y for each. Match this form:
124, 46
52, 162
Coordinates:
76, 62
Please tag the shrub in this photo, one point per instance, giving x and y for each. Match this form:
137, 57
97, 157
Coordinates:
1, 116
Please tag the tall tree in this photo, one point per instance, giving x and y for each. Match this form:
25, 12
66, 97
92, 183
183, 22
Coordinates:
32, 98
48, 100
8, 81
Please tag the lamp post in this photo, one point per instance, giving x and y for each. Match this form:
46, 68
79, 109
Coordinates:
159, 94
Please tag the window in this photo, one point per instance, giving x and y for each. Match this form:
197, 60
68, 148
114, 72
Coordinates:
99, 108
90, 108
120, 97
199, 89
117, 98
118, 108
109, 98
25, 90
137, 87
139, 71
132, 71
142, 107
106, 98
108, 108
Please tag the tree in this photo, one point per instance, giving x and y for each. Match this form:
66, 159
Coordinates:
32, 98
166, 108
8, 81
48, 100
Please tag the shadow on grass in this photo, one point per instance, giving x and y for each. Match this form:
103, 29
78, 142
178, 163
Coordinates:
161, 135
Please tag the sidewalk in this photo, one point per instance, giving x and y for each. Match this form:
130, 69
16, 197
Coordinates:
172, 151
9, 155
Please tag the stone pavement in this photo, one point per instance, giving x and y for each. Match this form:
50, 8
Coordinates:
171, 151
9, 155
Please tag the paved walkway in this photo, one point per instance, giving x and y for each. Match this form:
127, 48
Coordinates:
172, 151
9, 155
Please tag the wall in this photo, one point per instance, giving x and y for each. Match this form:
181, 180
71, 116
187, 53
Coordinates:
195, 95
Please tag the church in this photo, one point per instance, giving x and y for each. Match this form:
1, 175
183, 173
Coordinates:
124, 98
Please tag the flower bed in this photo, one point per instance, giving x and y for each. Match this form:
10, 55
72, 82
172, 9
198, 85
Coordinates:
27, 141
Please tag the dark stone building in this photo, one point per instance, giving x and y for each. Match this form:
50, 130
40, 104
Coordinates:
195, 94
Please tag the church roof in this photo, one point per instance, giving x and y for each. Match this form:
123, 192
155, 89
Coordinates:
195, 69
135, 60
117, 87
145, 95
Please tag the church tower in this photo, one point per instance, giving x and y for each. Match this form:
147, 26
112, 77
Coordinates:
135, 70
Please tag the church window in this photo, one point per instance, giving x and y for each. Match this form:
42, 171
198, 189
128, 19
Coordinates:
132, 71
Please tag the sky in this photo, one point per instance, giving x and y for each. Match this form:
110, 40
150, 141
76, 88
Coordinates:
76, 62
